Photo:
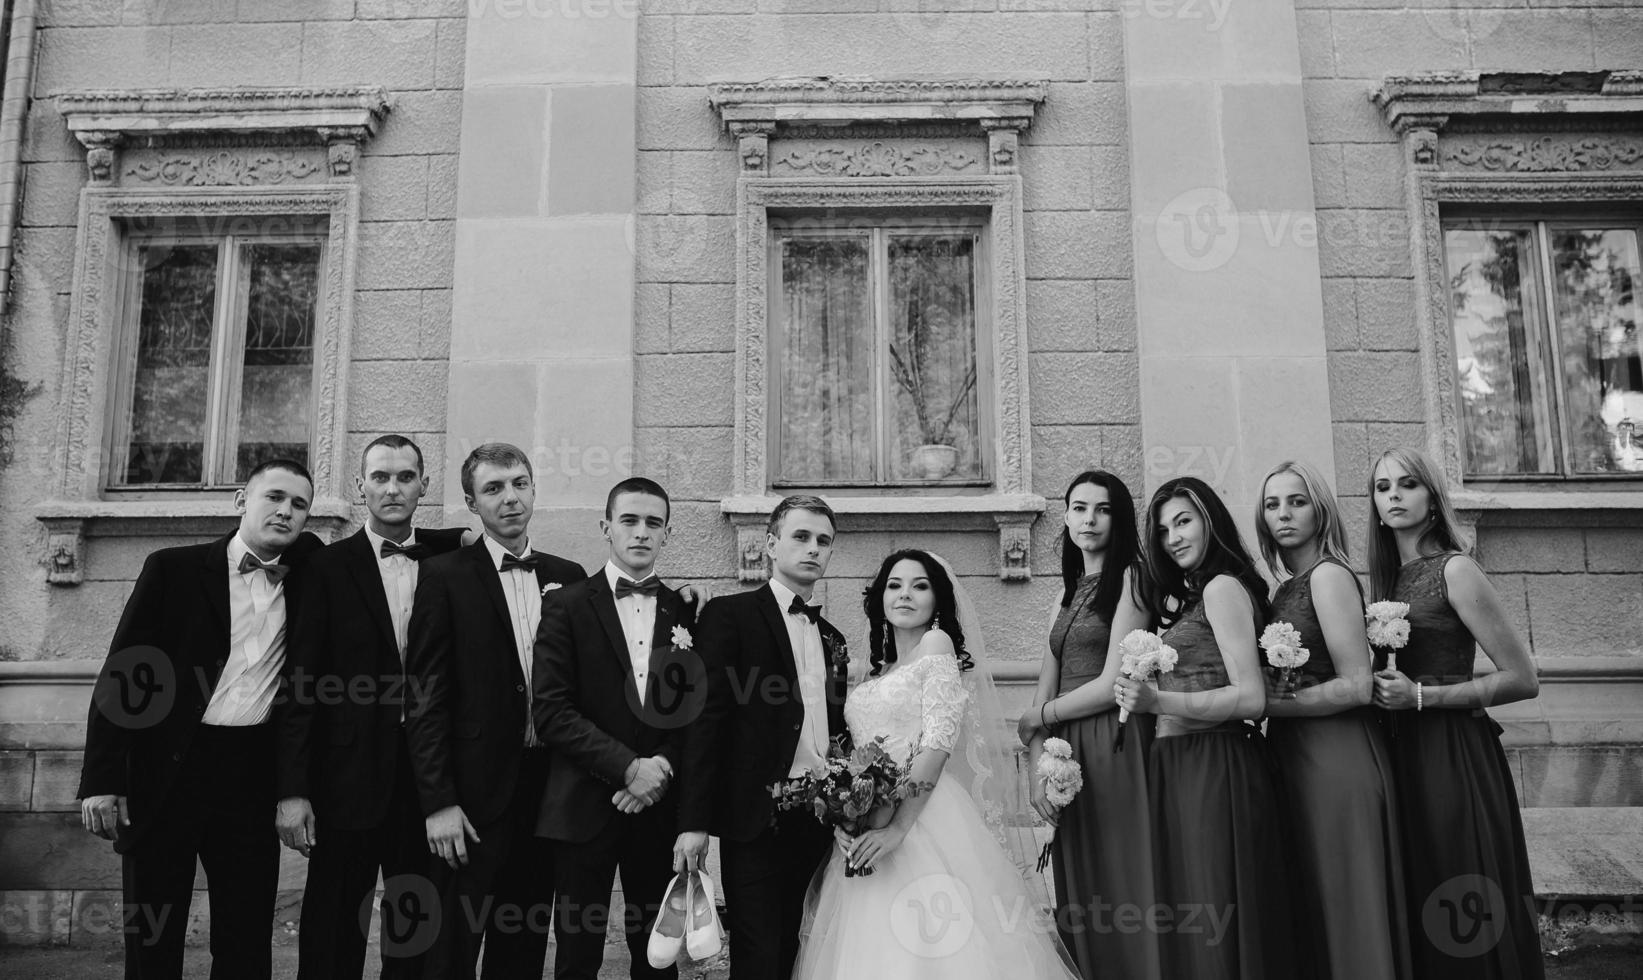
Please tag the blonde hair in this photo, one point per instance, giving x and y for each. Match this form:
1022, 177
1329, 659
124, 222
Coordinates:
1443, 527
1331, 528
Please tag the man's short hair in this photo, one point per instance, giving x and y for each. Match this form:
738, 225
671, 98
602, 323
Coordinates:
496, 453
392, 440
636, 484
281, 463
799, 501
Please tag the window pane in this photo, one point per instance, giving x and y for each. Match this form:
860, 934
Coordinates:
1595, 282
170, 397
1504, 408
826, 369
933, 358
276, 388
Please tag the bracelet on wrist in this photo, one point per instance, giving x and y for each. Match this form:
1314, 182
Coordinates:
1418, 697
1041, 722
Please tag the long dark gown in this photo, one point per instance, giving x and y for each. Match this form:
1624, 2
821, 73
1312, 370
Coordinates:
1218, 849
1335, 784
1471, 900
1103, 846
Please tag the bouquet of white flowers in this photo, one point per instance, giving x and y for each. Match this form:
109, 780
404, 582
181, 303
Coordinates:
1063, 778
1282, 643
1388, 628
1145, 654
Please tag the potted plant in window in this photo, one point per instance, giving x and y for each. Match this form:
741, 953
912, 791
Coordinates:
936, 457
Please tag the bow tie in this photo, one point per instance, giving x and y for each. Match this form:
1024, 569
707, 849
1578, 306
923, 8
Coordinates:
415, 552
626, 587
274, 570
529, 563
802, 608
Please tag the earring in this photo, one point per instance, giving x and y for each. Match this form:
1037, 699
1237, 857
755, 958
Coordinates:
935, 621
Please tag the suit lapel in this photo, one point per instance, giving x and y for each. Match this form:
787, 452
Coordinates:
490, 582
214, 580
362, 564
776, 620
604, 609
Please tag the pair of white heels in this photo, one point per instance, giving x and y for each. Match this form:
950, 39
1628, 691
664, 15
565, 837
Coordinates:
687, 919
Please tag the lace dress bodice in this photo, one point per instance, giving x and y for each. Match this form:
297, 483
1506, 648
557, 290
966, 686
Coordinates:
917, 704
1441, 649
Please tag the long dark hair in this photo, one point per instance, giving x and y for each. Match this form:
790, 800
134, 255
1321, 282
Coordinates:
1123, 546
879, 633
1170, 589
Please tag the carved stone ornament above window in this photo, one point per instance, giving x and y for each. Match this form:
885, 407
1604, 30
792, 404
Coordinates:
337, 119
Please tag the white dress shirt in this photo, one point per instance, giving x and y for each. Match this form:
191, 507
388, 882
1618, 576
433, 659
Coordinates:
524, 603
245, 690
638, 615
811, 663
398, 584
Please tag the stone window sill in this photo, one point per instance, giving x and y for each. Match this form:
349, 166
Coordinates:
1010, 514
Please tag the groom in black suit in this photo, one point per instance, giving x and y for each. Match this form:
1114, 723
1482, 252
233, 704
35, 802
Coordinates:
343, 763
480, 770
616, 679
776, 686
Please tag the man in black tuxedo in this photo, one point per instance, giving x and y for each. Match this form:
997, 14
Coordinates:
480, 769
616, 679
343, 762
179, 761
776, 686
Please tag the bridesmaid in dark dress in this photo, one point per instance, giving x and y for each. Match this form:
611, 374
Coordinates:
1217, 846
1471, 900
1102, 857
1334, 767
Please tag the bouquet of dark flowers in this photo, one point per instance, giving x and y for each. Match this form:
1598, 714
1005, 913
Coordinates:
850, 788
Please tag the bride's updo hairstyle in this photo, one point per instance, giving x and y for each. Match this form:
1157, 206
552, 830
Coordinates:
946, 614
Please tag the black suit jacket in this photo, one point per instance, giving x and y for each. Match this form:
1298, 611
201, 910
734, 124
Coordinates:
163, 665
338, 734
587, 707
467, 721
750, 726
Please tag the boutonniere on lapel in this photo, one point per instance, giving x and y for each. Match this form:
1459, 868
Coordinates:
550, 587
681, 638
838, 653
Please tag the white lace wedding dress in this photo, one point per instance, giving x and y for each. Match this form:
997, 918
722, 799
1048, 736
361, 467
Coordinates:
948, 903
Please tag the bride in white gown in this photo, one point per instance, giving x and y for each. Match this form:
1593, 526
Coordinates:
950, 894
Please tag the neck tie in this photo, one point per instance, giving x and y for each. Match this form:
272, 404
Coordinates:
626, 587
274, 570
415, 552
528, 563
802, 608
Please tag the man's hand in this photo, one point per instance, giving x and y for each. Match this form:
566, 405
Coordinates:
294, 820
689, 851
697, 596
626, 802
105, 815
647, 779
448, 834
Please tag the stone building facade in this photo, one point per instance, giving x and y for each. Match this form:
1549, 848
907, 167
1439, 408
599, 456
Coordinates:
1208, 236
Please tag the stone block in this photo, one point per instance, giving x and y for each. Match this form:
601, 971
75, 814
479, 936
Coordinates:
1230, 42
1373, 243
1110, 178
1082, 113
1587, 615
251, 11
206, 55
36, 917
390, 396
686, 248
1351, 461
589, 451
1513, 591
81, 13
692, 463
703, 318
1614, 549
120, 558
504, 144
1076, 244
1172, 124
1106, 41
1386, 314
1122, 453
421, 123
650, 318
436, 323
656, 41
1371, 44
102, 57
679, 118
398, 55
703, 182
1272, 173
1061, 452
685, 389
405, 254
1535, 40
80, 621
16, 779
387, 324
702, 545
1588, 775
1328, 175
451, 53
52, 850
553, 43
1294, 389
51, 194
402, 9
1115, 314
590, 149
47, 140
1374, 174
1317, 41
1340, 314
56, 781
1375, 387
1084, 389
1341, 112
1057, 178
443, 171
1614, 36
394, 189
97, 918
1386, 435
1062, 315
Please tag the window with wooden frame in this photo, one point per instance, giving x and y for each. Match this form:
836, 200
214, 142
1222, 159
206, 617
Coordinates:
214, 353
1545, 325
877, 330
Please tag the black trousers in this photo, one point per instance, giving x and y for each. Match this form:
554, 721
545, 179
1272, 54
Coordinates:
641, 845
221, 814
342, 879
765, 882
503, 897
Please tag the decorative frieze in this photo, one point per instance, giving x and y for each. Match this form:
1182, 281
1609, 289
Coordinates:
875, 159
1544, 154
224, 168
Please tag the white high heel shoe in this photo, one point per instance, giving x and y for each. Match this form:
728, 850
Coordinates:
704, 936
668, 934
